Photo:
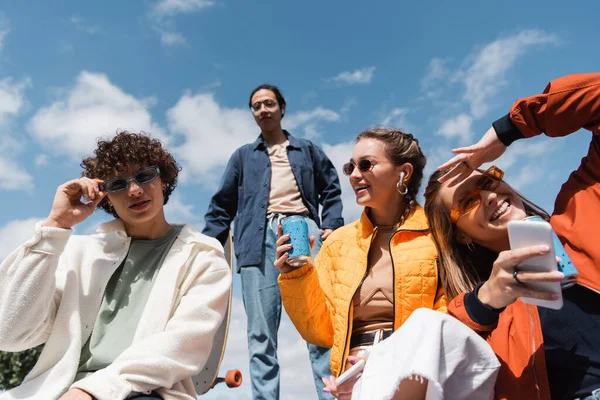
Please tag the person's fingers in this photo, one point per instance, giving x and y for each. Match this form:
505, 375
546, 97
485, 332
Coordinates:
524, 291
282, 239
453, 162
532, 277
508, 259
97, 199
87, 188
279, 230
311, 241
467, 150
280, 261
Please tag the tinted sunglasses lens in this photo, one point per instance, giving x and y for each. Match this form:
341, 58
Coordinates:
145, 176
364, 165
115, 185
348, 168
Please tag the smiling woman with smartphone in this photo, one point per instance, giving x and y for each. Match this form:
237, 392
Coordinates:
129, 312
544, 353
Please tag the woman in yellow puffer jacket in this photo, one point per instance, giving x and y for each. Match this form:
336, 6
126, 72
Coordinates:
370, 275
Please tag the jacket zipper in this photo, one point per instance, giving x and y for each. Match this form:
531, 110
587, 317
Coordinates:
532, 364
363, 280
350, 305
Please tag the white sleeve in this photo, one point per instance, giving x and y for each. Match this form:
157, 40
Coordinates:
182, 349
30, 290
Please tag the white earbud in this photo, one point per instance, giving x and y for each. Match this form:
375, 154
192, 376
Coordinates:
402, 175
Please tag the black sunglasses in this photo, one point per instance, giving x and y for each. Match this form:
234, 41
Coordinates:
119, 183
363, 165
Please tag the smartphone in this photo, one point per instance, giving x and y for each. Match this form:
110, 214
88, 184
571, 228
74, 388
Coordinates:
529, 233
350, 373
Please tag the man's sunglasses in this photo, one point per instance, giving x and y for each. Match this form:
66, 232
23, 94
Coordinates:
471, 199
363, 165
119, 183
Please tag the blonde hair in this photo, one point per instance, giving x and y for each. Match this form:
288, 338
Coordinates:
401, 147
460, 269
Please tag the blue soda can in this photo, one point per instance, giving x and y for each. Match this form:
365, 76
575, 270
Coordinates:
566, 266
297, 228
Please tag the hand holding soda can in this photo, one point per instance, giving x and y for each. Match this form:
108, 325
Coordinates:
297, 228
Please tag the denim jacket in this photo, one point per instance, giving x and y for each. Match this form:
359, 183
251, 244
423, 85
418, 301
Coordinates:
244, 194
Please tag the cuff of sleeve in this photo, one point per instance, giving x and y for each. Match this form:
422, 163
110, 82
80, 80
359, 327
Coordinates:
333, 224
103, 385
48, 240
297, 273
506, 130
479, 312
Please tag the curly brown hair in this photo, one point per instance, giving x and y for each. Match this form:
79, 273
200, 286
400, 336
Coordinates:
128, 150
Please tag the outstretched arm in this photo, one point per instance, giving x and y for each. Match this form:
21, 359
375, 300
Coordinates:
566, 105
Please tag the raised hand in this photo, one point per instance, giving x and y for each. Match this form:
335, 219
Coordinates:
68, 209
281, 255
500, 289
488, 149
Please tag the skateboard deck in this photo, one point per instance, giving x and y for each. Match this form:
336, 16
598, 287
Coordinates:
207, 378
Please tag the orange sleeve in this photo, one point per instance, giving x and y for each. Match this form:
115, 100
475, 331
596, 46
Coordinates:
566, 105
458, 310
305, 294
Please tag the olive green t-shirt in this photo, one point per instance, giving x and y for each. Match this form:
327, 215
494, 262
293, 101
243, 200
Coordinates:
124, 300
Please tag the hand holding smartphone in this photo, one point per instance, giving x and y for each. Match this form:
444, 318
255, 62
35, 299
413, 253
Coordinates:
527, 233
351, 373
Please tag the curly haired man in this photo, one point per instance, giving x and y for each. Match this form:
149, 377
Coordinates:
129, 312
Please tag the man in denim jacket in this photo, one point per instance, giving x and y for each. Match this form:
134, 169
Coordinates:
277, 175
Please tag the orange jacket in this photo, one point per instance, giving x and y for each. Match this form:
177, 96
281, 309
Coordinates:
567, 104
318, 298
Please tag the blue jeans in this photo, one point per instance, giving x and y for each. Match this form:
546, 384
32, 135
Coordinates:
262, 301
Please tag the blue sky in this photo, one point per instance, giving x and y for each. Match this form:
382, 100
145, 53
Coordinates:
183, 69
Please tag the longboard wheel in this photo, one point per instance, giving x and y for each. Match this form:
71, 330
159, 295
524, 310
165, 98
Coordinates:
233, 378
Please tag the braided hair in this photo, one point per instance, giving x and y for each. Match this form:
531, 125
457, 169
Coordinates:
402, 147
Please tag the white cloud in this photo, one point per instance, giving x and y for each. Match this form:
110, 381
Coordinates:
339, 154
300, 118
12, 177
178, 212
85, 27
92, 108
162, 16
209, 130
15, 233
457, 127
486, 73
41, 160
170, 38
359, 76
12, 101
436, 71
396, 118
4, 29
169, 8
310, 121
12, 97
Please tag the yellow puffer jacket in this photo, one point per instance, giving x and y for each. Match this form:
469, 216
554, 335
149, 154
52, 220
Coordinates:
318, 298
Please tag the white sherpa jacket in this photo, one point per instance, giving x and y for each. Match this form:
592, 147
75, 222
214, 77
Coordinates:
50, 292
